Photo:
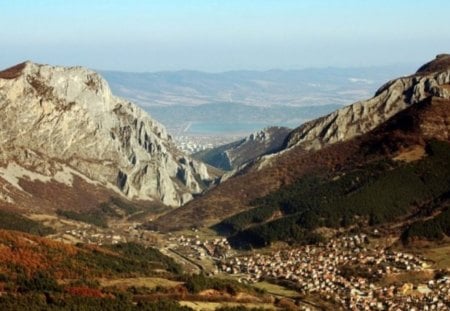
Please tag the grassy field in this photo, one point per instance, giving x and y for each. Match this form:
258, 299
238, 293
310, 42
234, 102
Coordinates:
436, 253
276, 290
211, 306
439, 255
415, 277
149, 282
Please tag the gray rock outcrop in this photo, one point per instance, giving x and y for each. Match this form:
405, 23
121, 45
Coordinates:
236, 154
69, 115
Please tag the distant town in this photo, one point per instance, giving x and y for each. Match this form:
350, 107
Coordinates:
194, 143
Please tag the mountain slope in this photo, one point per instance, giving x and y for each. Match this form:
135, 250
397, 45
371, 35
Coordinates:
402, 173
73, 133
235, 154
25, 255
324, 144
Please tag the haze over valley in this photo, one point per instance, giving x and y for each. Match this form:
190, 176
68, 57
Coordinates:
237, 155
210, 109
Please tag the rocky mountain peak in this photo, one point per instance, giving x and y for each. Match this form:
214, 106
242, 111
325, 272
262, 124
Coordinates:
432, 79
68, 116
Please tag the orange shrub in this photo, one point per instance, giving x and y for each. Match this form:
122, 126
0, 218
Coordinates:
83, 291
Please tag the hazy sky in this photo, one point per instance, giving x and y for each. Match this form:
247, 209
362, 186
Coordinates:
151, 35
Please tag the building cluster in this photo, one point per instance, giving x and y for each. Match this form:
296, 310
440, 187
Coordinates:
346, 271
195, 143
191, 147
190, 144
92, 237
216, 248
89, 234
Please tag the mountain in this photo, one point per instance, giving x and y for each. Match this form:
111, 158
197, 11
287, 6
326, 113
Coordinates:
67, 142
241, 102
302, 87
235, 154
342, 140
398, 178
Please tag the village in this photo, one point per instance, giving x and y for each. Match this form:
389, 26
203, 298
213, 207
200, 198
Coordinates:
78, 232
345, 271
189, 247
217, 248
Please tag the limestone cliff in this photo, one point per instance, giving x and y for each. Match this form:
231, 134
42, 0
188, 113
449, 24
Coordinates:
57, 119
361, 117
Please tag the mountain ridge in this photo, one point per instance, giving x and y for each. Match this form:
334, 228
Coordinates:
389, 99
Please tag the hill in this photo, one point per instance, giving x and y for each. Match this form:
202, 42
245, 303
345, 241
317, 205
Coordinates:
24, 255
371, 194
301, 87
41, 274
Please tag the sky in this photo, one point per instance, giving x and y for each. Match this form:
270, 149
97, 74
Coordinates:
210, 35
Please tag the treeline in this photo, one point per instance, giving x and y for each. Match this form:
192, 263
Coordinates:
20, 261
376, 193
433, 229
95, 217
199, 282
24, 288
63, 301
13, 221
41, 291
41, 274
130, 259
240, 308
114, 208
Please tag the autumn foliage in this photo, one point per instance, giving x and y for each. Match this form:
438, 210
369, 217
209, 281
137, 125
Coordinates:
84, 291
26, 255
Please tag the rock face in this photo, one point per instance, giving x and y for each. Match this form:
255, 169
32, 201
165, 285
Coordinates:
235, 154
69, 116
363, 116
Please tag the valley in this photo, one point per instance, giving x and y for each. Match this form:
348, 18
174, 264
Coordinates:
242, 155
212, 109
100, 208
371, 269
